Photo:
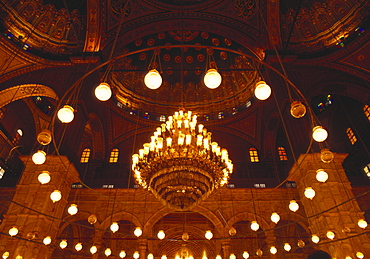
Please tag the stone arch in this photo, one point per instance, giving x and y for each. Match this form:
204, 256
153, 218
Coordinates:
15, 93
148, 226
122, 215
250, 217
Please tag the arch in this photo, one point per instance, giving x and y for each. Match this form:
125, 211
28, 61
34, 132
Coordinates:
242, 216
122, 215
18, 92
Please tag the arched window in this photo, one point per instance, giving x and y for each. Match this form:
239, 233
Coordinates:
85, 155
253, 154
367, 111
351, 136
282, 154
17, 137
114, 155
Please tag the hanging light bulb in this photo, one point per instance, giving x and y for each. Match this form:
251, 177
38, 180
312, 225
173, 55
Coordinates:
103, 92
293, 205
72, 210
185, 236
301, 243
93, 249
321, 175
275, 217
315, 239
165, 257
92, 219
107, 252
209, 234
309, 193
232, 256
47, 240
44, 137
259, 252
362, 223
138, 231
44, 177
150, 256
287, 247
326, 155
232, 231
13, 231
254, 226
153, 79
39, 157
297, 109
212, 79
360, 255
218, 257
319, 134
122, 254
136, 255
262, 90
56, 196
161, 234
65, 114
78, 247
114, 227
190, 257
273, 250
19, 257
348, 257
63, 244
330, 235
245, 255
6, 255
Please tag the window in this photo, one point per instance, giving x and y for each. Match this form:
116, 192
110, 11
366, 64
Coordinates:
85, 155
260, 185
108, 186
2, 172
114, 155
221, 115
351, 136
282, 154
17, 137
367, 170
367, 111
253, 154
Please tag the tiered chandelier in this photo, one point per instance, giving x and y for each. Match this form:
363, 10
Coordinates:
181, 165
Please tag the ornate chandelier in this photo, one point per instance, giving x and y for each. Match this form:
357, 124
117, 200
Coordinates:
181, 165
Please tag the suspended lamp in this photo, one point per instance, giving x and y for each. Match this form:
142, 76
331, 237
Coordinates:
19, 257
31, 235
309, 193
47, 240
326, 155
212, 78
360, 255
218, 257
273, 250
150, 256
72, 210
103, 92
319, 134
153, 79
190, 257
13, 231
56, 196
65, 114
297, 109
44, 177
275, 217
122, 254
165, 257
330, 235
293, 205
321, 175
107, 252
6, 255
259, 252
178, 257
138, 231
39, 157
254, 226
209, 234
92, 219
78, 247
348, 257
63, 244
245, 255
232, 256
44, 137
287, 247
161, 234
301, 243
114, 227
136, 255
362, 223
185, 237
232, 231
205, 257
262, 90
315, 239
93, 249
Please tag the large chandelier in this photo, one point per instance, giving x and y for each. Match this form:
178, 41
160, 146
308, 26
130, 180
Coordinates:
181, 165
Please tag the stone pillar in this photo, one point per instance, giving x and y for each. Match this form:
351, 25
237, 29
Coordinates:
343, 219
143, 244
226, 248
32, 206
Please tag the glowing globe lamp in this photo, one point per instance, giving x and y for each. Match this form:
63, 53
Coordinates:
309, 193
44, 177
93, 249
287, 247
362, 223
6, 255
275, 217
360, 255
136, 255
259, 252
78, 247
254, 226
245, 255
114, 227
138, 231
150, 256
39, 157
301, 243
293, 205
63, 244
218, 257
315, 239
319, 134
44, 137
56, 196
108, 252
321, 175
262, 90
209, 234
212, 79
122, 254
330, 235
273, 250
13, 231
326, 155
232, 256
153, 79
103, 92
65, 114
297, 109
72, 210
161, 234
47, 240
232, 231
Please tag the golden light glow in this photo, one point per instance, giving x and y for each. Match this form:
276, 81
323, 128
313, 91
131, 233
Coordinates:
293, 205
212, 79
114, 227
275, 217
287, 247
360, 255
122, 254
78, 247
39, 157
273, 250
330, 234
63, 244
362, 223
44, 137
301, 243
6, 255
44, 177
138, 232
103, 92
321, 175
297, 109
72, 210
326, 155
65, 114
254, 226
153, 79
47, 240
319, 134
315, 239
13, 231
93, 249
56, 196
150, 256
209, 234
262, 90
108, 252
161, 234
232, 256
309, 193
259, 252
136, 255
245, 255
